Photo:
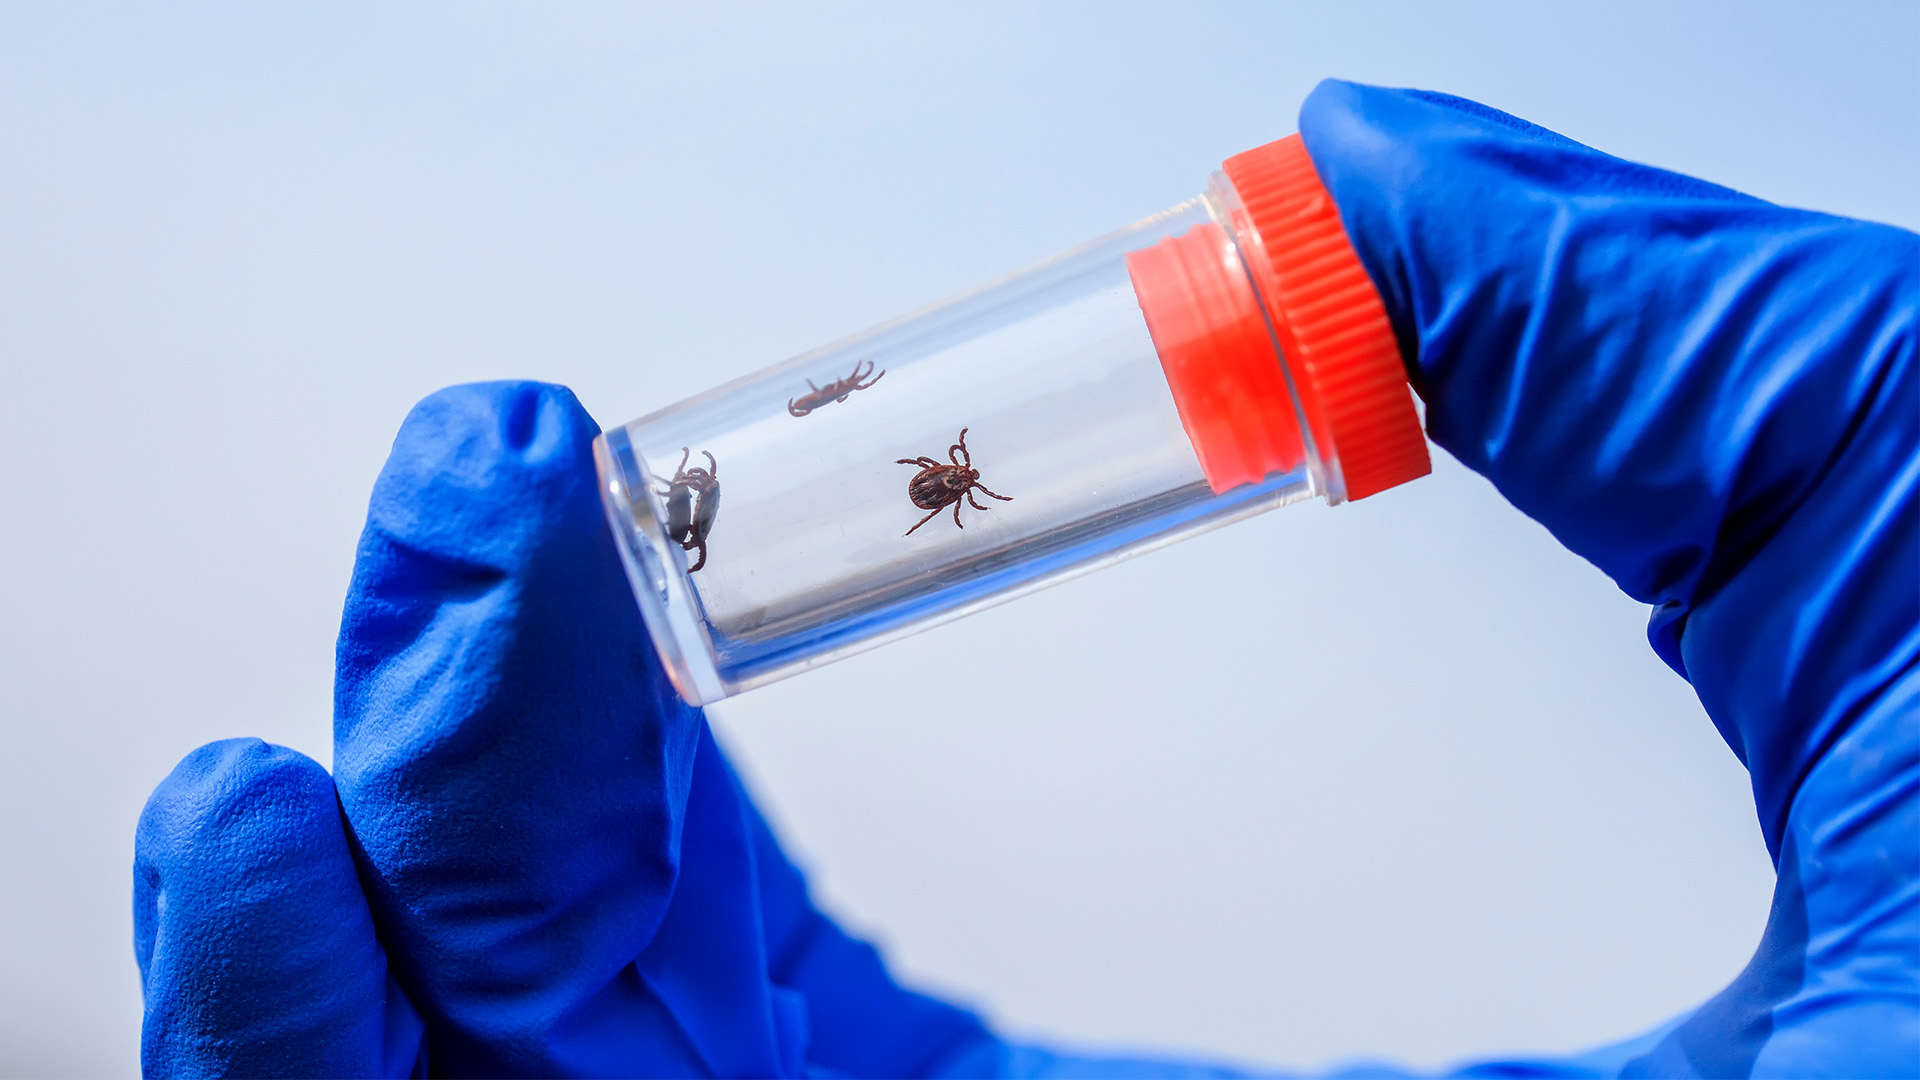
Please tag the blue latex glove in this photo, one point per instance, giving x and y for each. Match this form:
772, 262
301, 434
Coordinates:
1710, 397
562, 869
1713, 399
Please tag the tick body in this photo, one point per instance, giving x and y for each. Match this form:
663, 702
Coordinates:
693, 501
939, 484
837, 390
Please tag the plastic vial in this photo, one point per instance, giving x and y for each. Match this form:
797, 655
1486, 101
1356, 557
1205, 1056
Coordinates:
1209, 363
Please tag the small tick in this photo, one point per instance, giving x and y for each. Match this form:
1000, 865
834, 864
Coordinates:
939, 485
693, 499
837, 390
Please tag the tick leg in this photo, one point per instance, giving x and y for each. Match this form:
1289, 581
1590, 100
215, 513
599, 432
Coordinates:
956, 513
971, 501
983, 487
922, 521
713, 467
703, 557
961, 447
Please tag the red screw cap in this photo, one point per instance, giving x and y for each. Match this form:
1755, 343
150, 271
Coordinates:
1324, 314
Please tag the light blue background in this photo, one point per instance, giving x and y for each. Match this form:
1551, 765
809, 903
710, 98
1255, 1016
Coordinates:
1397, 778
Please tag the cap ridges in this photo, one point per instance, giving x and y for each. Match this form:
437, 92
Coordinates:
1329, 320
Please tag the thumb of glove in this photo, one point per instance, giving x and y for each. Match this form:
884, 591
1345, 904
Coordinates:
513, 764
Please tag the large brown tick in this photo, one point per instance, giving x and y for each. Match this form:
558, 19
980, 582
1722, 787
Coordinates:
837, 390
693, 499
939, 485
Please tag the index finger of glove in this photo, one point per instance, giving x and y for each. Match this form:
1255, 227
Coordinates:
511, 758
1708, 396
1656, 368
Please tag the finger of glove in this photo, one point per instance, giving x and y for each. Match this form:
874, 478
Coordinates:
1681, 382
1711, 398
256, 950
512, 761
1656, 368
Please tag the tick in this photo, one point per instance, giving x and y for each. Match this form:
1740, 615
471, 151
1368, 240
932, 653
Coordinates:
693, 499
939, 485
837, 390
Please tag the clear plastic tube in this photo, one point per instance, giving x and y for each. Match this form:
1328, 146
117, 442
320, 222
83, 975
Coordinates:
981, 448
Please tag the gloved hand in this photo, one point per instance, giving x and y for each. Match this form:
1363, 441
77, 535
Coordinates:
538, 862
1713, 399
1708, 396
